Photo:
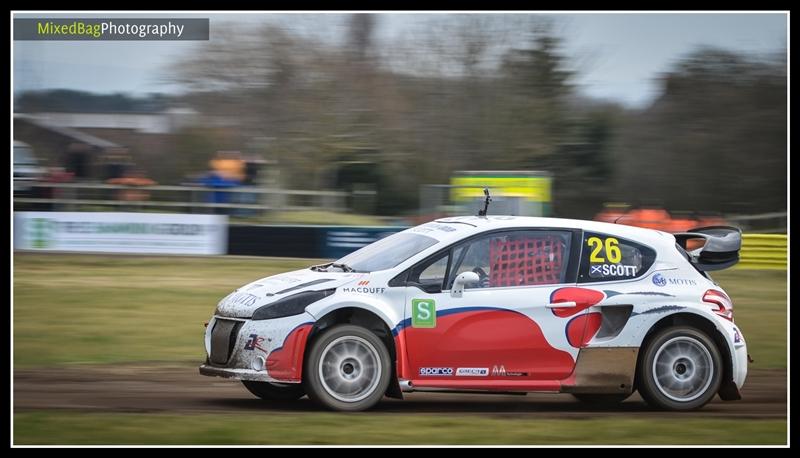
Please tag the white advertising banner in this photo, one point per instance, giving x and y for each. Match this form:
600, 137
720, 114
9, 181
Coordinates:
101, 232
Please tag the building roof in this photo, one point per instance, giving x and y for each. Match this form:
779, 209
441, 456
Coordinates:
75, 134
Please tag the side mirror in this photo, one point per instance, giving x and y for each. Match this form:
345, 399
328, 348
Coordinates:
463, 279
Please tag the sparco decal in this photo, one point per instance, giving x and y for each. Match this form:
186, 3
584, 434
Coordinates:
436, 371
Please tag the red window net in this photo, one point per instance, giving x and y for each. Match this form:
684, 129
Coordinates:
534, 260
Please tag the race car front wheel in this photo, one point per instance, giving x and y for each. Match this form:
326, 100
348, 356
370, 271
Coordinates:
275, 391
347, 368
681, 369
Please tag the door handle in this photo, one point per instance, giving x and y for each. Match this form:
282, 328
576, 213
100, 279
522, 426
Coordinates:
558, 305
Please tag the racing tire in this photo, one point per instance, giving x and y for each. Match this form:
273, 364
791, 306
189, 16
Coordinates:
275, 391
681, 369
347, 368
601, 400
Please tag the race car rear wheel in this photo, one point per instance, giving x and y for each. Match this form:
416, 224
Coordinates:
347, 368
275, 391
681, 369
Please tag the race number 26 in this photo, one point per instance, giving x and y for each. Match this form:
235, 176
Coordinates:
612, 251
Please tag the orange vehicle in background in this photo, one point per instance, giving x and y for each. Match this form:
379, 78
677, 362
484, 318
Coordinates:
657, 218
134, 179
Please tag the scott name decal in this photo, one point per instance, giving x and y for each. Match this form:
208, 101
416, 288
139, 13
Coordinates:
611, 270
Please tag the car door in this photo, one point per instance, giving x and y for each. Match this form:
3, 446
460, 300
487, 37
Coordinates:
503, 327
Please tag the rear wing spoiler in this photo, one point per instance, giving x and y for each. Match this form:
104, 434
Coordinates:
720, 249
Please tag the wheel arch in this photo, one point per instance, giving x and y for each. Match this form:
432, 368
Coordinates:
727, 390
370, 304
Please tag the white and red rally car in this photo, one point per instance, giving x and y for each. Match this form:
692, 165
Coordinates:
493, 304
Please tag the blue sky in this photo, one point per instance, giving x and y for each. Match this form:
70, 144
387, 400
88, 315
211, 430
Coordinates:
618, 56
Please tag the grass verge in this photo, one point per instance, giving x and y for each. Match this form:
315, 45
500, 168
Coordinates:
324, 428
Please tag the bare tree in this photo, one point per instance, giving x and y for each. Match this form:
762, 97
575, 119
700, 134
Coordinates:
360, 35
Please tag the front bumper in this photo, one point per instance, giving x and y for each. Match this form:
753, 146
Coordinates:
263, 350
238, 374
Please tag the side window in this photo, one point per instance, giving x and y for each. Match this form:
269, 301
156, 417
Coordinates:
471, 257
430, 275
608, 258
515, 258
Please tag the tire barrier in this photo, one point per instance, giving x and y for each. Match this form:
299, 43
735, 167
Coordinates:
763, 252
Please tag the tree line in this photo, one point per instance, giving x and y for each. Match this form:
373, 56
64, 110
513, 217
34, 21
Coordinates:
485, 92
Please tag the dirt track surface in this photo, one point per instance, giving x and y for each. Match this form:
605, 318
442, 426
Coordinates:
181, 389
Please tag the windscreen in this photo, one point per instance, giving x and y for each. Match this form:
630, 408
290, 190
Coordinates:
387, 252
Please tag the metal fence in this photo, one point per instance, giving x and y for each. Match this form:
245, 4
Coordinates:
189, 199
764, 223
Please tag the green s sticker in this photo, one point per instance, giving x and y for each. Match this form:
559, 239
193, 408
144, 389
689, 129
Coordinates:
423, 313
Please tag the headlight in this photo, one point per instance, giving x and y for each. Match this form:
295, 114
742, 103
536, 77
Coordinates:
290, 305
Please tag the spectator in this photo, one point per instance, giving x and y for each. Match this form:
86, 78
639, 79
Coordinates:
77, 159
253, 164
216, 180
54, 175
229, 165
117, 162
